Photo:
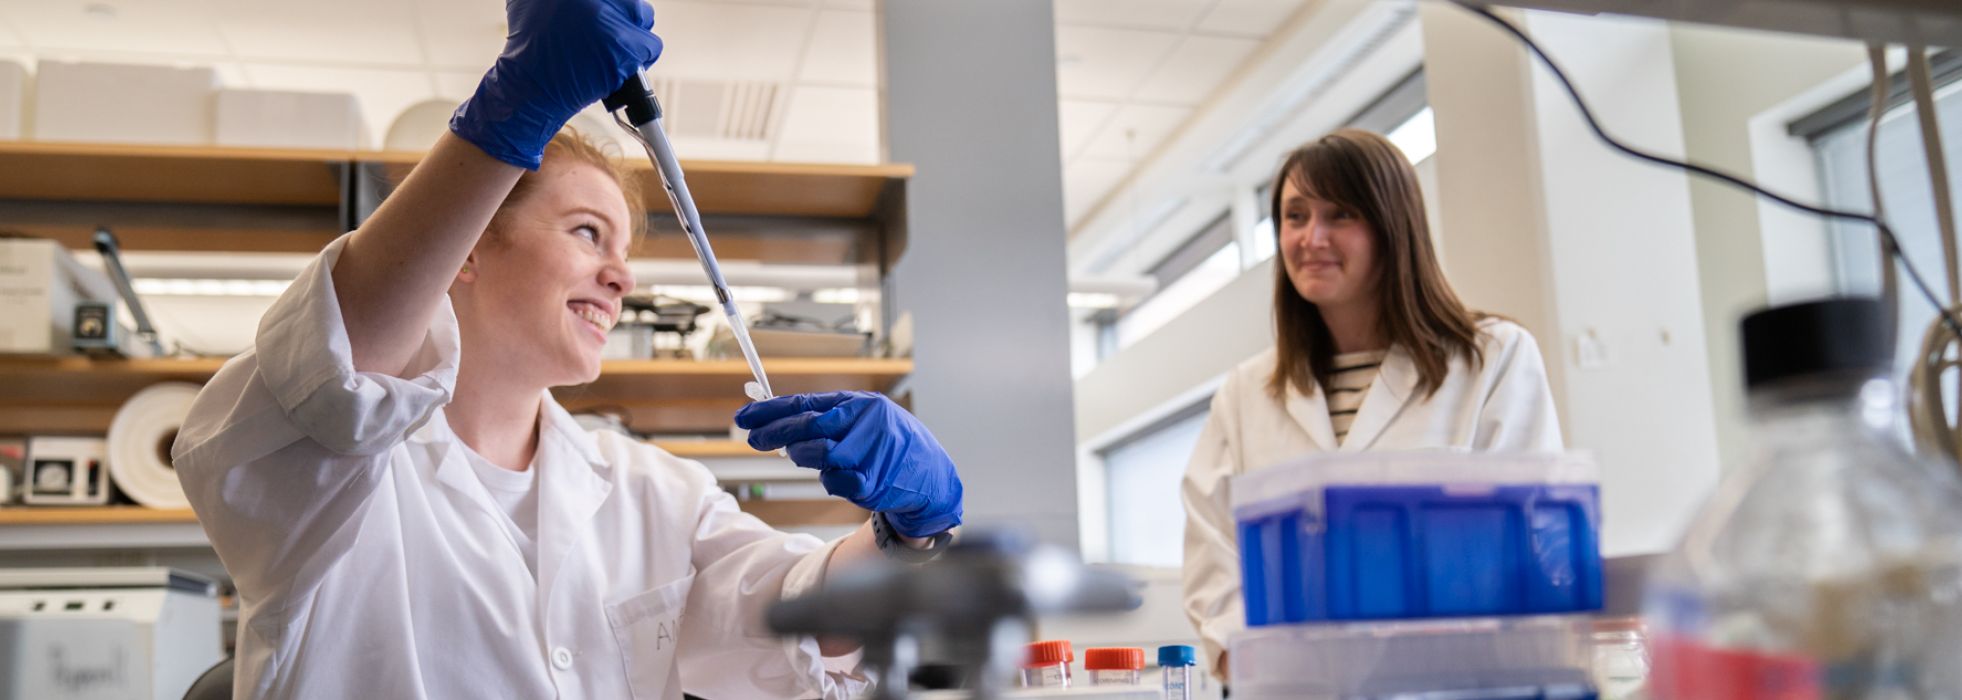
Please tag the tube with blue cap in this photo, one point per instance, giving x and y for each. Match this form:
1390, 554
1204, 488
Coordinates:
634, 108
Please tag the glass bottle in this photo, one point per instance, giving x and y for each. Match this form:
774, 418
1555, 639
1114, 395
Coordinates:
1826, 566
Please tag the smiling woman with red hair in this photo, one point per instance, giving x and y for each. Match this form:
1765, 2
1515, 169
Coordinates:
409, 513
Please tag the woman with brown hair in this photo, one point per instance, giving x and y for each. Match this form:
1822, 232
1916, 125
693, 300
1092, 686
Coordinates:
1373, 351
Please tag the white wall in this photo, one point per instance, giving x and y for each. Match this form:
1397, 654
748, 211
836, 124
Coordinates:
1197, 347
1727, 80
1540, 222
1584, 246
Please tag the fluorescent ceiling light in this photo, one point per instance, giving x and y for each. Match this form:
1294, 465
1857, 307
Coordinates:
1094, 300
186, 287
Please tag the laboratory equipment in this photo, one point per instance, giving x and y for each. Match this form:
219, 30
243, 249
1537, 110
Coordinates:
40, 286
104, 311
66, 471
635, 110
1114, 665
977, 602
1047, 664
105, 633
1829, 564
1378, 536
1933, 22
1549, 657
1177, 662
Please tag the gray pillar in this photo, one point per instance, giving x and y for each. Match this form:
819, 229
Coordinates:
971, 102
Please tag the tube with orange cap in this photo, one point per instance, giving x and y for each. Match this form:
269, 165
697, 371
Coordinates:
1114, 665
1047, 664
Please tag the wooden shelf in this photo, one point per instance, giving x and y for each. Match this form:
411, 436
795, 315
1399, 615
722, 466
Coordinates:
78, 172
81, 395
744, 187
789, 513
92, 515
192, 174
709, 449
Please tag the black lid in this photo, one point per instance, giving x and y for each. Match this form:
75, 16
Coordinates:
1838, 336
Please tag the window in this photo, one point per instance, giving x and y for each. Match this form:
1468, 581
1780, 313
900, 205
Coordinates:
1402, 114
1839, 135
1190, 273
1142, 477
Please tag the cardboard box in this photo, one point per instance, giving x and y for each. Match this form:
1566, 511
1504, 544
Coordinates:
13, 100
275, 119
116, 103
39, 285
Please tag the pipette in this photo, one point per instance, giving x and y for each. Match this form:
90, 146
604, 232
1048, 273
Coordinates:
634, 108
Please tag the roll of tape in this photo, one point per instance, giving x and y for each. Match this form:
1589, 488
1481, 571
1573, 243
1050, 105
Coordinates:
139, 444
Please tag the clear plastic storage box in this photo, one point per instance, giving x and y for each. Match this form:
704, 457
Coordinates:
1419, 535
1537, 658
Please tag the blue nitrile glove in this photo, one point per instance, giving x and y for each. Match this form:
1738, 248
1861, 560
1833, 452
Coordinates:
867, 450
561, 55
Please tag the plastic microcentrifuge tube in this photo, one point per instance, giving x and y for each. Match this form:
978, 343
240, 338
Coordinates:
755, 391
1114, 665
1047, 665
1178, 662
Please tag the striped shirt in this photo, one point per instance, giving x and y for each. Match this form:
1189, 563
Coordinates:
1353, 373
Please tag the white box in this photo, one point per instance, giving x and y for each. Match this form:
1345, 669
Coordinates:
1413, 657
13, 100
276, 119
39, 285
115, 103
67, 471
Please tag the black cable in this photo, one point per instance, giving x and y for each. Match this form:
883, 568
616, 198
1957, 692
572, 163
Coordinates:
1892, 244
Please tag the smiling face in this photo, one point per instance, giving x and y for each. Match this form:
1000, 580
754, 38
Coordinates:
1329, 250
544, 285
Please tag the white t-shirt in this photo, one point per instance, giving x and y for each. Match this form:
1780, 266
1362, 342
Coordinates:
517, 494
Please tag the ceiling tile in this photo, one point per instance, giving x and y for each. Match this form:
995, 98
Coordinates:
1080, 120
830, 125
384, 94
457, 86
1196, 69
1135, 131
465, 45
1153, 14
1258, 18
182, 27
844, 50
1106, 63
727, 41
323, 34
9, 38
866, 5
1087, 182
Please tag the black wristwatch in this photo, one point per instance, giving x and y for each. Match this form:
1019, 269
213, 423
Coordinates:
896, 549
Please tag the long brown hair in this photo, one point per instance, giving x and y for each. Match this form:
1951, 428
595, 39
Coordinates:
1366, 174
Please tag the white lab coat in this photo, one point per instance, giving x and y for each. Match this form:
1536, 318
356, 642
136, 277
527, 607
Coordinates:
370, 564
1503, 405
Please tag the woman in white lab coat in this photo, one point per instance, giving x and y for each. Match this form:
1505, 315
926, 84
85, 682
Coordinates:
1373, 351
408, 513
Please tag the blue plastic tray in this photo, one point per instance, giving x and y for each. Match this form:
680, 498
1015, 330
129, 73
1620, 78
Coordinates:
1424, 551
